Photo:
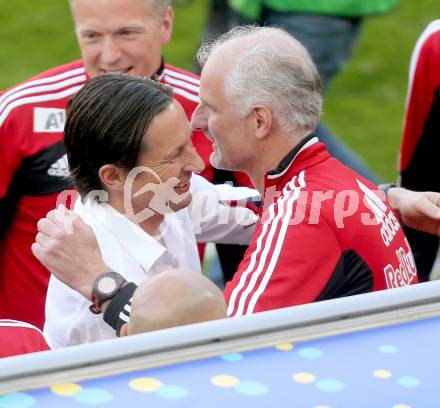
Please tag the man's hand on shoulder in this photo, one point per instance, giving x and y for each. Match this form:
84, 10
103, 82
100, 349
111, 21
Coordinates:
67, 247
418, 210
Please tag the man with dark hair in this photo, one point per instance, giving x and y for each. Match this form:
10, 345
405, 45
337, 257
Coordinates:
91, 143
132, 160
114, 36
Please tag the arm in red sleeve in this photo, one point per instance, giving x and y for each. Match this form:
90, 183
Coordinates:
285, 265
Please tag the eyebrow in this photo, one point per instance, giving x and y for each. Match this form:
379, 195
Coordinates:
133, 26
86, 31
171, 153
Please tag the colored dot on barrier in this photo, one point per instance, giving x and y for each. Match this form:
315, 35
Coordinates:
66, 390
224, 380
172, 392
304, 378
309, 352
401, 406
16, 400
145, 384
388, 348
93, 396
251, 388
284, 346
409, 382
329, 385
231, 357
382, 374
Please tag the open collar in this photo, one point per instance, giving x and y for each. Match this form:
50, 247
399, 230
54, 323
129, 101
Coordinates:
135, 241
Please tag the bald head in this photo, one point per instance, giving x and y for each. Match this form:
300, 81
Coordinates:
267, 66
175, 298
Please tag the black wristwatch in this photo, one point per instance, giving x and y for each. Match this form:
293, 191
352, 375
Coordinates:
105, 287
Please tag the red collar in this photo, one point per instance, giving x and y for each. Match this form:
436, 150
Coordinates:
306, 154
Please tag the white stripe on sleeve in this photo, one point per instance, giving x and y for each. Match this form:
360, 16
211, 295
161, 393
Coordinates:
186, 94
433, 27
179, 75
253, 269
39, 98
47, 80
182, 84
279, 243
41, 89
250, 268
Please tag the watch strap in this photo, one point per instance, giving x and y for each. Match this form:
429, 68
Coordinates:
119, 308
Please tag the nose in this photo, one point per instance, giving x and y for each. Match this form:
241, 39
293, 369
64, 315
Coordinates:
110, 52
194, 162
199, 119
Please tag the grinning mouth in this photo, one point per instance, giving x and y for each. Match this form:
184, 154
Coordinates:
182, 184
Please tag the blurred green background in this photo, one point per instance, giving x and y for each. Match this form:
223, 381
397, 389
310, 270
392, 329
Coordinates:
364, 106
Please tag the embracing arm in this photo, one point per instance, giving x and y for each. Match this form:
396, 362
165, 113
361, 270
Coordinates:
68, 248
418, 210
222, 213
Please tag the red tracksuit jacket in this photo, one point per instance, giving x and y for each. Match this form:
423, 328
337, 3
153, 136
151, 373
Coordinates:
324, 233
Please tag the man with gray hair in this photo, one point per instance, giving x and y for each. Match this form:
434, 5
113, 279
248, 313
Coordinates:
273, 73
324, 232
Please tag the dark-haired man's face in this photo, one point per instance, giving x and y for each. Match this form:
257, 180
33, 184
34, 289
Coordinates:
165, 164
120, 36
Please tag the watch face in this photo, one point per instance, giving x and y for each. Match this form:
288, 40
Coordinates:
106, 285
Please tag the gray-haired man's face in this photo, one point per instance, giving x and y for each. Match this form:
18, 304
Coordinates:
230, 133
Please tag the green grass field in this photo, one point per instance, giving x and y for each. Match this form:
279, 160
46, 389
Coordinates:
365, 105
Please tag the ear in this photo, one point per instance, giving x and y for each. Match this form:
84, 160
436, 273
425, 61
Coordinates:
167, 26
124, 330
112, 177
263, 118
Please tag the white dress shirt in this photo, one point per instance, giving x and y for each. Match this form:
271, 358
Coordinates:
136, 255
